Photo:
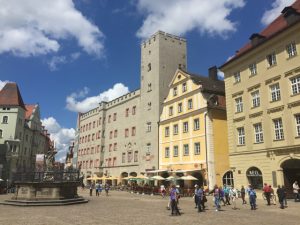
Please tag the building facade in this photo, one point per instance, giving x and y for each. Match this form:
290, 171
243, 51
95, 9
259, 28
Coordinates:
120, 137
263, 104
22, 135
192, 129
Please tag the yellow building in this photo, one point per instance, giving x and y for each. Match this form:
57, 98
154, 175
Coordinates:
192, 129
263, 104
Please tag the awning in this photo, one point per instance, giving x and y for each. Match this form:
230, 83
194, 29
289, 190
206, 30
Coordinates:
157, 171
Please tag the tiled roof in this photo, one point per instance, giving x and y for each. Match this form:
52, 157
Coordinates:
274, 28
10, 96
208, 85
29, 111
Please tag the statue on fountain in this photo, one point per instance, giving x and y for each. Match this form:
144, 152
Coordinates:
49, 161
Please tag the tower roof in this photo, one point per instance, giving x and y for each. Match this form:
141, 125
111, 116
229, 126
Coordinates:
10, 96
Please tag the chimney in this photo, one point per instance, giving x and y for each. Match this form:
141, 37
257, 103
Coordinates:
256, 39
290, 14
213, 73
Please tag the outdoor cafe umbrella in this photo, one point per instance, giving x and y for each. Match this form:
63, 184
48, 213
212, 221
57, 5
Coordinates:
141, 177
189, 177
112, 178
157, 178
173, 178
128, 178
92, 178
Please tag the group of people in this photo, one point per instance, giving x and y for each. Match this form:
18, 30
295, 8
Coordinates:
99, 187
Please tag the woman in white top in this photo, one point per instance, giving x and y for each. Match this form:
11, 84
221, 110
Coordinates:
233, 194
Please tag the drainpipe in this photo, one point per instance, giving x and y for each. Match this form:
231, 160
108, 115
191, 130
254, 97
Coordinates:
206, 161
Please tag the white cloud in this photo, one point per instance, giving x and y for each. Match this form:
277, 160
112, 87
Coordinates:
181, 16
277, 7
2, 83
220, 75
73, 103
35, 27
60, 135
55, 61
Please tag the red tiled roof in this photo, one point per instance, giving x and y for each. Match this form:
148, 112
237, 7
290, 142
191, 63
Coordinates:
29, 111
10, 96
278, 25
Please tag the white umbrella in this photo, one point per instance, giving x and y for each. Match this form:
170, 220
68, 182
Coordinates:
157, 178
173, 178
189, 177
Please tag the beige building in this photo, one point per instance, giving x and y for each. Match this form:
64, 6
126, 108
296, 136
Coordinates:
22, 135
120, 137
262, 85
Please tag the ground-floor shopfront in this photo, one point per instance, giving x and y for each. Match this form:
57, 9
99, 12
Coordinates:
274, 167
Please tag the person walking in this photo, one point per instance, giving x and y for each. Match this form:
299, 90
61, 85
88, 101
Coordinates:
204, 199
199, 195
106, 187
281, 196
272, 196
97, 187
296, 190
216, 195
243, 194
234, 196
284, 198
195, 196
222, 195
91, 189
226, 193
267, 193
173, 199
252, 197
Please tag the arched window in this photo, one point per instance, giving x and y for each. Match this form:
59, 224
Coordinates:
228, 179
5, 119
255, 178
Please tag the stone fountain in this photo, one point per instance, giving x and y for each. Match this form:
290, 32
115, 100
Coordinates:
48, 187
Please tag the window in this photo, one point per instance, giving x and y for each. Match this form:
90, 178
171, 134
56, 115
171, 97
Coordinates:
278, 128
94, 123
110, 147
190, 103
149, 105
196, 124
239, 104
129, 158
175, 151
275, 92
167, 131
149, 87
297, 117
197, 148
148, 148
170, 110
291, 50
5, 119
185, 127
237, 77
149, 127
115, 146
258, 132
175, 91
295, 85
110, 135
149, 67
255, 99
116, 133
123, 157
115, 116
167, 152
179, 107
186, 150
228, 179
175, 129
184, 87
136, 153
126, 132
127, 112
133, 131
133, 110
271, 59
241, 136
252, 69
1, 134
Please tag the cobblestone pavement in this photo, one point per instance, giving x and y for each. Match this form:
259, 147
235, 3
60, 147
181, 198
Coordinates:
132, 209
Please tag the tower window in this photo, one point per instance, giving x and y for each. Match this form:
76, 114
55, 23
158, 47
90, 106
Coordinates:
149, 87
149, 67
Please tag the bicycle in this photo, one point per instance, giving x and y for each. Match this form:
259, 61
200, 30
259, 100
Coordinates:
273, 198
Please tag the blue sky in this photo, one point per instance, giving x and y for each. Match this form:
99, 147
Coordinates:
67, 55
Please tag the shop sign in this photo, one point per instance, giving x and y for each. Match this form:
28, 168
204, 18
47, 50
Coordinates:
254, 172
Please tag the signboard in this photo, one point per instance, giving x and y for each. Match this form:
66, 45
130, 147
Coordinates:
39, 162
254, 172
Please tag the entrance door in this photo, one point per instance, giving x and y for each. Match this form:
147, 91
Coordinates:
291, 173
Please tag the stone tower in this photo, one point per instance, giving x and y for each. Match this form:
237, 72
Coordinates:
161, 55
